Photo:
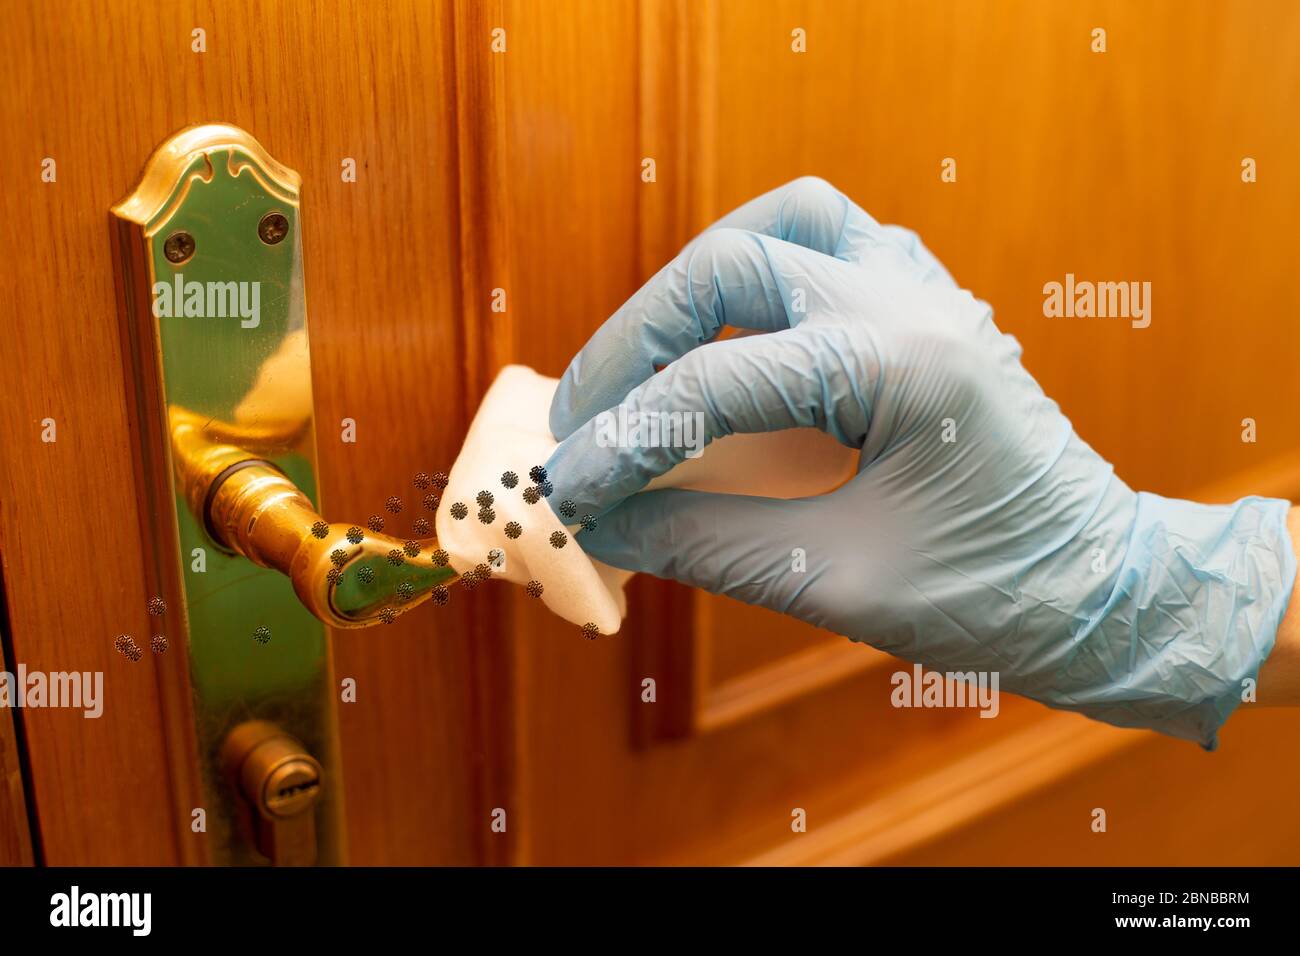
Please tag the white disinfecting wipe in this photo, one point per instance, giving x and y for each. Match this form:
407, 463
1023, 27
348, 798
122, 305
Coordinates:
511, 432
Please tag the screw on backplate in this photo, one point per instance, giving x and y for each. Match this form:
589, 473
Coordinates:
178, 247
273, 228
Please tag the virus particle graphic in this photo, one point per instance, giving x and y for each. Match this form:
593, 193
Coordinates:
387, 615
421, 480
334, 575
440, 557
420, 526
483, 571
439, 480
338, 557
376, 523
394, 505
537, 473
158, 644
532, 495
439, 595
559, 539
320, 529
412, 549
134, 653
157, 606
355, 535
405, 591
469, 580
127, 647
546, 488
459, 511
262, 635
509, 479
431, 501
365, 575
588, 522
496, 559
534, 589
484, 499
487, 515
514, 530
567, 508
395, 558
590, 631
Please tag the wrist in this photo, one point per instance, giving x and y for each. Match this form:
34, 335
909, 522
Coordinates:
1279, 677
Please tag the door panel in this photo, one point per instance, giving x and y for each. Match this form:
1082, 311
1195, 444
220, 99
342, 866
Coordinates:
1067, 162
389, 346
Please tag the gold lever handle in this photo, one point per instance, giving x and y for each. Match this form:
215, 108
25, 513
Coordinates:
345, 575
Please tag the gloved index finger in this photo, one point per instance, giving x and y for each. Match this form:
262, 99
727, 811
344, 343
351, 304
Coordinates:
721, 278
725, 277
664, 319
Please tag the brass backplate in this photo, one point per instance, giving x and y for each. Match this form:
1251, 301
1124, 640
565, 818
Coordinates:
214, 323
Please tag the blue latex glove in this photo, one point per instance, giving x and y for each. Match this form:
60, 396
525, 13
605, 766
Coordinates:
980, 532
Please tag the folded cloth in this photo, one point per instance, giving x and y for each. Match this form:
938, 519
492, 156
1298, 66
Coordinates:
510, 435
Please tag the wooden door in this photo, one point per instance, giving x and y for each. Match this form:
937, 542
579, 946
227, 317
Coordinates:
520, 168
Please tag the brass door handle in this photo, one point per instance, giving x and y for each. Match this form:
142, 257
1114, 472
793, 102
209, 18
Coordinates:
345, 574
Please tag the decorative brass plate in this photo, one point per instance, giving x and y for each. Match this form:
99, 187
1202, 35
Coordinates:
215, 328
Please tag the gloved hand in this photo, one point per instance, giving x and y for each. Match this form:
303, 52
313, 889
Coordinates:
980, 532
